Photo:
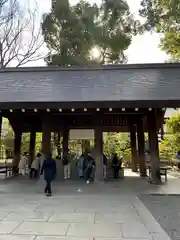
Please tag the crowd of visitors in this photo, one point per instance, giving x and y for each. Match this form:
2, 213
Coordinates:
86, 165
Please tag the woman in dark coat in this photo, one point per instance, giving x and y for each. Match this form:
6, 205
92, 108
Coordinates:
49, 169
116, 165
88, 167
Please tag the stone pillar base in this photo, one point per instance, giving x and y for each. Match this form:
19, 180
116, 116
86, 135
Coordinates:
155, 182
121, 173
60, 170
143, 174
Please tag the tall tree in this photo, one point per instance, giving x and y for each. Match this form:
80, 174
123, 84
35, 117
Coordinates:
71, 32
20, 36
68, 31
116, 26
163, 16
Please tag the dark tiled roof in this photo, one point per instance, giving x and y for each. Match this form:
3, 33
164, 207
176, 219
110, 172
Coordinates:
110, 83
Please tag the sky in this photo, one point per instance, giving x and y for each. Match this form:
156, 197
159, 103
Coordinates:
143, 49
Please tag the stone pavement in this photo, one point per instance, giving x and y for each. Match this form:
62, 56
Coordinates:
99, 211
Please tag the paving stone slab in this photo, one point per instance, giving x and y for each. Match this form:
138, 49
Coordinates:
8, 227
123, 238
41, 228
104, 210
19, 207
3, 214
28, 216
61, 238
17, 237
55, 209
136, 230
117, 218
73, 217
95, 230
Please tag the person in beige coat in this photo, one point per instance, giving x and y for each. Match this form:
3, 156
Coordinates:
23, 164
35, 166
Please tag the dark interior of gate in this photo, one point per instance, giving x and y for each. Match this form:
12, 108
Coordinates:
115, 98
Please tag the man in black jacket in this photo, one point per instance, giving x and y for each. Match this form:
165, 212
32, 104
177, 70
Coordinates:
49, 169
88, 167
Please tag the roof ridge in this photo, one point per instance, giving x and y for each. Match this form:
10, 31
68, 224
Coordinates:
92, 67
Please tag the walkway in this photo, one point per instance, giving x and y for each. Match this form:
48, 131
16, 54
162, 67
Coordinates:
100, 211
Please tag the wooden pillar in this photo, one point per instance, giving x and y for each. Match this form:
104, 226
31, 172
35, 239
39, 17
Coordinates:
46, 137
17, 149
141, 149
153, 148
59, 165
162, 131
133, 149
65, 143
98, 152
32, 146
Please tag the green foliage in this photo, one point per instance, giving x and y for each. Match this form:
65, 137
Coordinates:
38, 142
115, 28
163, 16
68, 31
8, 138
117, 142
25, 142
168, 147
171, 144
71, 32
173, 124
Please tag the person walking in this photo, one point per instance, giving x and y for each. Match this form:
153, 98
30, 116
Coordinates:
105, 162
67, 165
80, 166
35, 166
89, 166
116, 165
49, 169
23, 164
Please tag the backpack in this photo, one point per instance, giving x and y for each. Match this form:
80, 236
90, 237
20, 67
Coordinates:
65, 161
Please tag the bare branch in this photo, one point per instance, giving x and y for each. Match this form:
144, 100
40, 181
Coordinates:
20, 37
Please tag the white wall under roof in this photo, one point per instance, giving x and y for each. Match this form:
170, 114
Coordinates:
82, 134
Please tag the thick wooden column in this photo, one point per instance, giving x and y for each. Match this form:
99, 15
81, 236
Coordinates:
17, 149
141, 149
32, 146
65, 143
133, 149
98, 153
153, 148
46, 136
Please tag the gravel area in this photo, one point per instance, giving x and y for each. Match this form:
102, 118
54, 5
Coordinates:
166, 210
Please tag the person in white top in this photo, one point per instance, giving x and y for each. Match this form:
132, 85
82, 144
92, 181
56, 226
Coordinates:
35, 166
23, 164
